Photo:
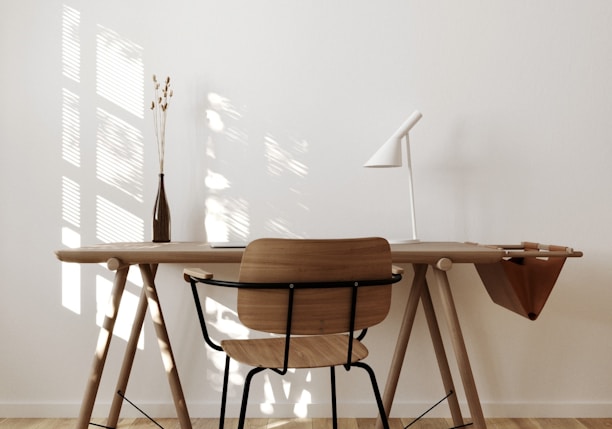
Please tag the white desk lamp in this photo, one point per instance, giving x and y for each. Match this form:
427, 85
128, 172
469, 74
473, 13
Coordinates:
390, 155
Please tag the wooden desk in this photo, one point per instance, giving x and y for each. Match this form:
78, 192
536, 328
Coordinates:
439, 256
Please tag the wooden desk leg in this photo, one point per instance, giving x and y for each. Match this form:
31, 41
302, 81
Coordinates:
436, 338
128, 359
460, 350
104, 339
402, 341
165, 348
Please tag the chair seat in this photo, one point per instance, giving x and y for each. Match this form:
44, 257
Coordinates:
305, 352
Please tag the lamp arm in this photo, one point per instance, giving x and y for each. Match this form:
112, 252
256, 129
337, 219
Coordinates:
407, 125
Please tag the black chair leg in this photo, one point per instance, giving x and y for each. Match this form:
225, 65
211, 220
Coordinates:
245, 395
333, 397
224, 394
381, 408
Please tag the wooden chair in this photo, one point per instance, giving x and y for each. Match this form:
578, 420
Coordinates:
312, 295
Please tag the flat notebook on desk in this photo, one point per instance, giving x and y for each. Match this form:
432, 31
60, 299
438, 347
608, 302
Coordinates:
228, 244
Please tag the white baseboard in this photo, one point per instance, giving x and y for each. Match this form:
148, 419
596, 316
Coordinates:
211, 410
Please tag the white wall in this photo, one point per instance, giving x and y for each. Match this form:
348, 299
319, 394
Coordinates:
515, 144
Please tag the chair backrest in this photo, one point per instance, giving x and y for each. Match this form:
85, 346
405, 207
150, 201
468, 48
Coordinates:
315, 310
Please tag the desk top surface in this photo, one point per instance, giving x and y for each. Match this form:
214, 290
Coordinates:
200, 252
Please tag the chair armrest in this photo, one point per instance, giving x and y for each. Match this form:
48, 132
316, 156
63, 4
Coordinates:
198, 273
397, 270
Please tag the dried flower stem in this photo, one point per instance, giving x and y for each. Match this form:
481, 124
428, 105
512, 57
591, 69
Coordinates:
159, 106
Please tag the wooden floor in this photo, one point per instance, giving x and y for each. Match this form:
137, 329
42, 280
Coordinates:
346, 423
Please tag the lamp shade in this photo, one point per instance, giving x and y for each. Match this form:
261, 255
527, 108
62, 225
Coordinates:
390, 153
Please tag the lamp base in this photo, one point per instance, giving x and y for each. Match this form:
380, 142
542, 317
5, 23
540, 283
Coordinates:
402, 241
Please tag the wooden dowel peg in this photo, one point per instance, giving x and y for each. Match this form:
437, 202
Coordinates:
444, 264
115, 264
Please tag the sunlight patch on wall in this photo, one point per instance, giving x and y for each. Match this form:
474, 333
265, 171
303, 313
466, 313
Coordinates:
71, 48
115, 224
71, 287
71, 128
223, 104
71, 202
135, 278
120, 155
287, 384
216, 182
267, 405
219, 107
214, 378
226, 219
120, 71
215, 122
301, 407
235, 134
225, 321
281, 227
282, 160
71, 274
125, 317
71, 238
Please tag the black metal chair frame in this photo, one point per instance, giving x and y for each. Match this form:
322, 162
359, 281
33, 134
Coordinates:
292, 287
